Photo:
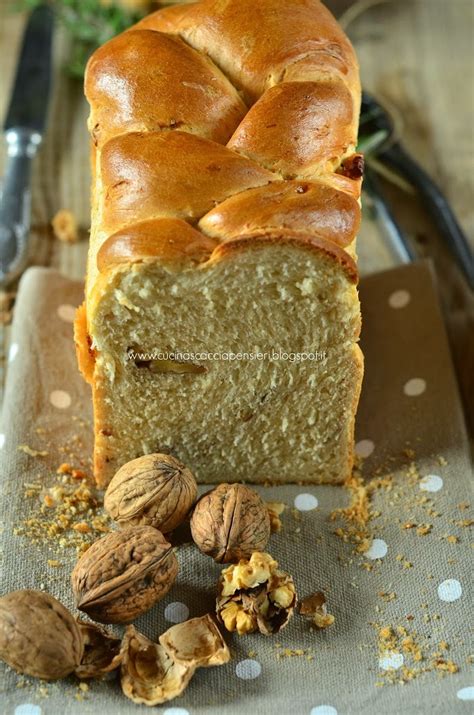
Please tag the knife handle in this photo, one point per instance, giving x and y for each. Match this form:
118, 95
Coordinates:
15, 204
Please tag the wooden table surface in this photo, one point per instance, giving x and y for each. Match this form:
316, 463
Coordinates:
417, 55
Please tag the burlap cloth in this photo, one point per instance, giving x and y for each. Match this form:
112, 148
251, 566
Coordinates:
410, 426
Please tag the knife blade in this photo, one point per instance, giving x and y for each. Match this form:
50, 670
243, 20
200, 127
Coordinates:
31, 88
24, 127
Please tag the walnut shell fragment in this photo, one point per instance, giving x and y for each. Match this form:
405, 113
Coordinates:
154, 490
196, 642
230, 523
314, 607
38, 635
102, 651
275, 510
255, 595
124, 574
149, 675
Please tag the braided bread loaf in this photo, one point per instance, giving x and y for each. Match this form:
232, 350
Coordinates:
225, 205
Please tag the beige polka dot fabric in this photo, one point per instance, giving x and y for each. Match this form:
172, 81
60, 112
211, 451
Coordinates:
402, 599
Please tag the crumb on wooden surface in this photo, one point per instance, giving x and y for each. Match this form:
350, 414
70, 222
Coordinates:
65, 226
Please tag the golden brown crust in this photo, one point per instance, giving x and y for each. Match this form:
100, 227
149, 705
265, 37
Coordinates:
171, 241
258, 44
170, 175
299, 128
127, 85
305, 241
304, 206
104, 459
343, 183
359, 372
84, 351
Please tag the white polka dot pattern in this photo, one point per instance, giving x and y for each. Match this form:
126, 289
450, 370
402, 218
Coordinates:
414, 387
27, 709
176, 711
466, 693
399, 299
378, 549
431, 483
13, 352
364, 448
391, 661
306, 502
323, 710
176, 612
450, 590
248, 669
60, 399
2, 440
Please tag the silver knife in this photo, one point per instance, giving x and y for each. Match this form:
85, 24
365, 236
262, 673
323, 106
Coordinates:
24, 127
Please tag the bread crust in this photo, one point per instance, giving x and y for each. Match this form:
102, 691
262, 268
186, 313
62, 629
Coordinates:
85, 354
302, 41
170, 174
170, 241
302, 206
306, 242
127, 85
300, 129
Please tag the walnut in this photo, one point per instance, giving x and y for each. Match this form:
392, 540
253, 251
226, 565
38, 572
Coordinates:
314, 608
102, 651
124, 574
65, 226
275, 510
149, 675
197, 641
255, 595
38, 635
155, 490
153, 673
230, 522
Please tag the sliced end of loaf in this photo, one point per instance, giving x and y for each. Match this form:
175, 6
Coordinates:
252, 419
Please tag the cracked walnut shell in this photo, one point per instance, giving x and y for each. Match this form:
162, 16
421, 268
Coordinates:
154, 673
124, 574
149, 675
197, 642
230, 523
255, 595
154, 490
102, 651
314, 607
38, 635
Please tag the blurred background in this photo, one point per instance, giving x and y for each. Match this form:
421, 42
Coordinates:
416, 58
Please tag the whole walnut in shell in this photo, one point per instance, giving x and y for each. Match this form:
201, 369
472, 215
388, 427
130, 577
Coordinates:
124, 574
38, 635
154, 490
230, 522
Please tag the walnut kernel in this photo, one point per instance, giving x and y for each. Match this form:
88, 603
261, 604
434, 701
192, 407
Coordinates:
255, 595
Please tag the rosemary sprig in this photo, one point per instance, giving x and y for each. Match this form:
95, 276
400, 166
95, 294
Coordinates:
90, 23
